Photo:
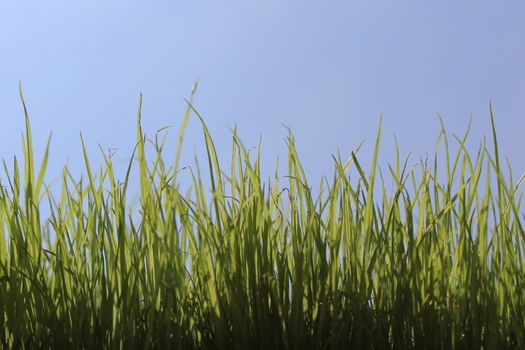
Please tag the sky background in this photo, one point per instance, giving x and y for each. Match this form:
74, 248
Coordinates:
326, 69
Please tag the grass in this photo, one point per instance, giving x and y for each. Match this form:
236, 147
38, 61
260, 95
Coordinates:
264, 265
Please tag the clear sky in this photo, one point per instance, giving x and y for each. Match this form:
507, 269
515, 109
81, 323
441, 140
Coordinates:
326, 69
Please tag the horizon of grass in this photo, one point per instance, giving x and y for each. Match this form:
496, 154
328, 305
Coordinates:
250, 264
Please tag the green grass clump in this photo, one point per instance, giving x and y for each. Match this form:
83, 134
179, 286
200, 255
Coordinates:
263, 265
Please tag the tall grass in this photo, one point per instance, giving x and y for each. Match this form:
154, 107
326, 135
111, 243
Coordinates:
263, 265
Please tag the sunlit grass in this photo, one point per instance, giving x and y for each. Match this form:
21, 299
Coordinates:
263, 265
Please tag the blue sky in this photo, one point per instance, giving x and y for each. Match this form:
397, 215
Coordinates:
326, 69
